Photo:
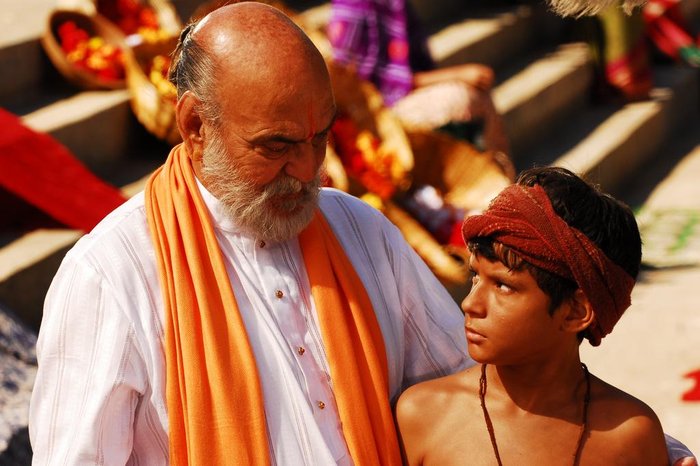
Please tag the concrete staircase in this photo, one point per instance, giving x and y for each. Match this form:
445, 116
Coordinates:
543, 93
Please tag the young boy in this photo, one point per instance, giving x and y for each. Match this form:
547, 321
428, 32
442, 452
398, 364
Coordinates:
553, 261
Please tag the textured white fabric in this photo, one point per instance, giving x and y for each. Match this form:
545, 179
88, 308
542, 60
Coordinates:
100, 387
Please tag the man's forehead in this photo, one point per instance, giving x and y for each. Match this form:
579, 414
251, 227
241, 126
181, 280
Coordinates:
304, 124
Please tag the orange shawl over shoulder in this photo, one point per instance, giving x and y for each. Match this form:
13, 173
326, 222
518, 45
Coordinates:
213, 392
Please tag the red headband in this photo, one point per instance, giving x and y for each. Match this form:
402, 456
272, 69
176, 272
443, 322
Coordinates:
523, 219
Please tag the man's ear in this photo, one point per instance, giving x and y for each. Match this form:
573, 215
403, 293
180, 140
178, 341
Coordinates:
580, 313
189, 122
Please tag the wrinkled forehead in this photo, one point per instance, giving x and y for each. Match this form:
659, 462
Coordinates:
295, 107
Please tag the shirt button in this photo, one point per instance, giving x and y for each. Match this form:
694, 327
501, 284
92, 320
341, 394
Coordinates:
261, 244
279, 294
301, 350
321, 405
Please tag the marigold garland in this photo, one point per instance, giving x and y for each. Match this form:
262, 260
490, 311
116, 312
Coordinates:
364, 159
384, 178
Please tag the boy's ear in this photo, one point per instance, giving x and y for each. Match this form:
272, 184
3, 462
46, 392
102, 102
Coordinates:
189, 122
580, 313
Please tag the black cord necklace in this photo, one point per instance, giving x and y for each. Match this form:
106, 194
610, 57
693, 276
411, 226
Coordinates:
489, 425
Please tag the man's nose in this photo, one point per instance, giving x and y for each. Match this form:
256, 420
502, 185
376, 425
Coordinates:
304, 162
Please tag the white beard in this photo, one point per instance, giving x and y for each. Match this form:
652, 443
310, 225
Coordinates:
257, 212
577, 8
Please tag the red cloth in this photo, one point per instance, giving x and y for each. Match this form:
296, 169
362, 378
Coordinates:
694, 393
523, 219
39, 170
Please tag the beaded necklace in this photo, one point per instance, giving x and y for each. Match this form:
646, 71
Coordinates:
489, 425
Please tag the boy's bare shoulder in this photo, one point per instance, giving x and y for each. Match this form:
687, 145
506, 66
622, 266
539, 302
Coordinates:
622, 426
435, 394
431, 414
613, 408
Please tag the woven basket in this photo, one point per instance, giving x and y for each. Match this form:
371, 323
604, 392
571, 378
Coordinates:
167, 16
155, 111
95, 25
468, 179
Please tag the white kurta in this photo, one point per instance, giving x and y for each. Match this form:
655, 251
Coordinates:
99, 396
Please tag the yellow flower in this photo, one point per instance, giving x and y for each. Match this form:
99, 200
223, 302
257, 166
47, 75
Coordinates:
95, 43
373, 200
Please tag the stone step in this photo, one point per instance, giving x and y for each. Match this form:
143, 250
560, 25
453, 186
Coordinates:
97, 126
609, 144
542, 92
669, 179
21, 56
493, 36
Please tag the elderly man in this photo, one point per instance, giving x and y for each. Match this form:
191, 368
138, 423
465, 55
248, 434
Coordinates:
234, 313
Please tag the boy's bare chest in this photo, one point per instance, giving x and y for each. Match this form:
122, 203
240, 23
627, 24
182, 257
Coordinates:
528, 441
545, 442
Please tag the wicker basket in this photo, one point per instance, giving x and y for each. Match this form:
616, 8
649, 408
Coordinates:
168, 19
468, 179
167, 16
155, 111
95, 25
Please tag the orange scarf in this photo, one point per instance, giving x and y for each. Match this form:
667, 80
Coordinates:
213, 392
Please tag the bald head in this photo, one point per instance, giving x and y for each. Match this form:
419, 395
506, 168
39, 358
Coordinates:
245, 43
247, 30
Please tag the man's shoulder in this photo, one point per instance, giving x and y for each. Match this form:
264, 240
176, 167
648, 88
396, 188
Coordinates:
339, 206
126, 225
332, 198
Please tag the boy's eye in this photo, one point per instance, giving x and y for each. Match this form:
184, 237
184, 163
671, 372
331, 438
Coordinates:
504, 287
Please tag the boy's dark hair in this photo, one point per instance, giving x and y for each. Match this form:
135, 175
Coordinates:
607, 222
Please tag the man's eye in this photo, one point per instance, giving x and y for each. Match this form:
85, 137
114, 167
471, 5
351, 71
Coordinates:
276, 148
320, 139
